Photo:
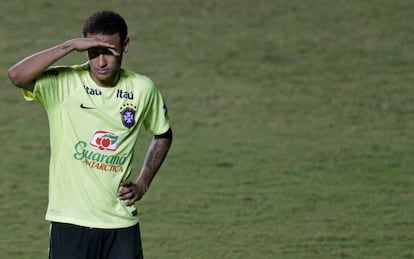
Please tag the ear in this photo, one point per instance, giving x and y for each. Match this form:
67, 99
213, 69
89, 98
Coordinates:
126, 44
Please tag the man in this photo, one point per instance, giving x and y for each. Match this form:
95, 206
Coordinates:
95, 111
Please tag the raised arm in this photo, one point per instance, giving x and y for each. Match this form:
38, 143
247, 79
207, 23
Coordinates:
24, 73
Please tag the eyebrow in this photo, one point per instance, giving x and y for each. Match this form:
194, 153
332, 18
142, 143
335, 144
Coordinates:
100, 50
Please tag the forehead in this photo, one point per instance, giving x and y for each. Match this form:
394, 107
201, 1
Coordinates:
113, 39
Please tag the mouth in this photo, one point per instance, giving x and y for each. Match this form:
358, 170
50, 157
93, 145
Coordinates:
103, 71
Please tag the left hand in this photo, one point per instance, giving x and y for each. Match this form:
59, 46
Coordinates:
131, 192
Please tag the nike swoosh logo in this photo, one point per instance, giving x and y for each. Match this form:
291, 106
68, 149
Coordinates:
86, 107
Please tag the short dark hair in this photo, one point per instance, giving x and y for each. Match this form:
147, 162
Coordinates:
106, 22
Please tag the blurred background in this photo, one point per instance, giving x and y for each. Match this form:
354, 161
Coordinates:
293, 125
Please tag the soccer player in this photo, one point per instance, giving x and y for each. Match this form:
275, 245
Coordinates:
95, 112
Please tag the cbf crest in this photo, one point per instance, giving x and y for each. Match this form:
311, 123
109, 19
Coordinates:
128, 115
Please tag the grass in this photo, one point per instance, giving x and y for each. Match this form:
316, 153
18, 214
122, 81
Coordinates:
293, 126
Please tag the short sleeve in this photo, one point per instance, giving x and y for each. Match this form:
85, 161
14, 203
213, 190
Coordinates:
157, 119
47, 89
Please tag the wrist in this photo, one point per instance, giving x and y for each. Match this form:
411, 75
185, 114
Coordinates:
144, 182
67, 46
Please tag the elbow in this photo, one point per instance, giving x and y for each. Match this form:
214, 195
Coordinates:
13, 75
16, 78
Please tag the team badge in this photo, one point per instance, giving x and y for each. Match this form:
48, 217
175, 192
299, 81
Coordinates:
128, 116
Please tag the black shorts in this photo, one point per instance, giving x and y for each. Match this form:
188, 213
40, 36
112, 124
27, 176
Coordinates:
69, 241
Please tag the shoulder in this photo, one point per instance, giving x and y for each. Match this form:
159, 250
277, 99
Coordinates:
137, 81
63, 71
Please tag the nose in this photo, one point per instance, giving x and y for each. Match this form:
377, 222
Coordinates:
102, 62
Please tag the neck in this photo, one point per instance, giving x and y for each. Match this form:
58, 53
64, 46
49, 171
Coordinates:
110, 82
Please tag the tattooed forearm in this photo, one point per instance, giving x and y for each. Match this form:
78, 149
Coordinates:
156, 154
65, 47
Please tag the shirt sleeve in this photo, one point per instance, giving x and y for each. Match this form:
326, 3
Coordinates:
157, 119
46, 90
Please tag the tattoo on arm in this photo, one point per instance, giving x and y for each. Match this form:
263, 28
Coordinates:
65, 47
156, 154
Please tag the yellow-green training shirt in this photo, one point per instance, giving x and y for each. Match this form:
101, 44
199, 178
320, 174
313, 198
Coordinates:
93, 131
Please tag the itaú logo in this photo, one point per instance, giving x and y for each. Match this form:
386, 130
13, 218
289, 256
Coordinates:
104, 140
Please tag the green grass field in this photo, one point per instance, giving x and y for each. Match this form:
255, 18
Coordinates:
294, 130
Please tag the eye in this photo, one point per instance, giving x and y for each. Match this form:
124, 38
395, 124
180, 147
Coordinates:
95, 52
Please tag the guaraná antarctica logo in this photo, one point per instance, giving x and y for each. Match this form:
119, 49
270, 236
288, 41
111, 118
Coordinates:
96, 159
104, 140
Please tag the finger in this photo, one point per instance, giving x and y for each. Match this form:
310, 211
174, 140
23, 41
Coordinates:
123, 192
134, 198
114, 52
97, 43
109, 46
125, 183
126, 188
124, 196
130, 202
